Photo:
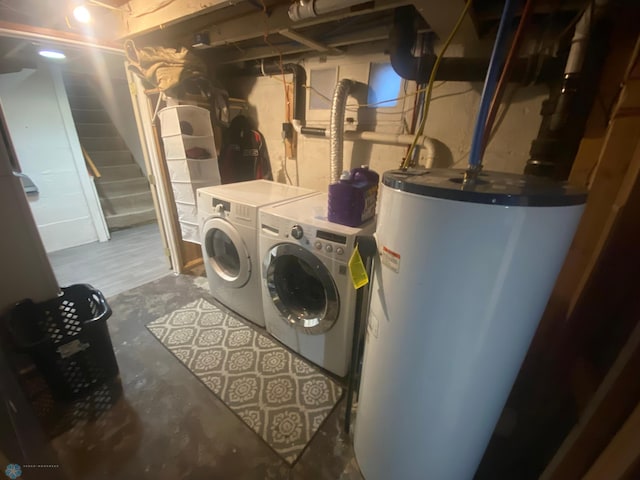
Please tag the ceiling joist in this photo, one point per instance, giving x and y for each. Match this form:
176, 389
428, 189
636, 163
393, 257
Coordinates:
319, 47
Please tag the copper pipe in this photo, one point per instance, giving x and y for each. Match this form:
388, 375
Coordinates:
502, 81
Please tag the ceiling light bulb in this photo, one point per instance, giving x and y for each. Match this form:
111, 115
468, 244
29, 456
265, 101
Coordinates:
55, 54
81, 14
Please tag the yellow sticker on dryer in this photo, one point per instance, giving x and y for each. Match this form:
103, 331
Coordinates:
357, 270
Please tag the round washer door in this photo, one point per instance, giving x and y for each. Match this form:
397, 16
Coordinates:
227, 254
301, 288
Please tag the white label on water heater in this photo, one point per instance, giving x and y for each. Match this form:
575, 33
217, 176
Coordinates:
391, 259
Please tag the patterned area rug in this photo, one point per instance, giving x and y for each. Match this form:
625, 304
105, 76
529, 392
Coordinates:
279, 396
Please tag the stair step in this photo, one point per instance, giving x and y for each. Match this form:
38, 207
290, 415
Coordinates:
121, 187
109, 158
90, 115
79, 89
127, 203
124, 220
96, 130
120, 172
92, 144
76, 78
84, 102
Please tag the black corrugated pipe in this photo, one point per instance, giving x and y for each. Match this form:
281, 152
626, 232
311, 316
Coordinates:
565, 113
526, 70
299, 82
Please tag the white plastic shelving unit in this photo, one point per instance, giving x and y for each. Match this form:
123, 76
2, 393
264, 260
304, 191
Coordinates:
184, 128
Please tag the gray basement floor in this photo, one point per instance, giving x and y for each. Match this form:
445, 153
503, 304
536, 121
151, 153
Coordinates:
132, 257
168, 425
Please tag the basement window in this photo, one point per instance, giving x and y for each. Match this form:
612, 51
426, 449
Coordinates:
323, 82
384, 84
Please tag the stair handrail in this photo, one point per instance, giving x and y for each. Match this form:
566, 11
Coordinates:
92, 166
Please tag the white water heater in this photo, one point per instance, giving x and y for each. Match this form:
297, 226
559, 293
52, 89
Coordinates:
463, 277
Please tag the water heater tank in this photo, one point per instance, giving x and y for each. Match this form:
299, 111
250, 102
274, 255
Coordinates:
464, 276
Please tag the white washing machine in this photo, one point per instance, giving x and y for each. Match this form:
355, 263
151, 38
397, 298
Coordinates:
228, 218
308, 297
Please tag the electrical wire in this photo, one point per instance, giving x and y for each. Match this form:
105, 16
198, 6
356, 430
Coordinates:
284, 162
432, 79
265, 37
418, 106
365, 105
525, 17
287, 118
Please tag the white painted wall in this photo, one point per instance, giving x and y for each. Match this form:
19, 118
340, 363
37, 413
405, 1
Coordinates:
66, 211
451, 121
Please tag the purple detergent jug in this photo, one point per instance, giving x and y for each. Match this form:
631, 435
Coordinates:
352, 200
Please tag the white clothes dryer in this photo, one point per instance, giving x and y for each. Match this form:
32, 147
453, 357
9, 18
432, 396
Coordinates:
308, 296
228, 218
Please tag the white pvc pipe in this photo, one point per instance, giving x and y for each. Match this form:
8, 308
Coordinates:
303, 9
581, 37
398, 139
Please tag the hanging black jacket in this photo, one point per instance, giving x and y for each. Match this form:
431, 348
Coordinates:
244, 155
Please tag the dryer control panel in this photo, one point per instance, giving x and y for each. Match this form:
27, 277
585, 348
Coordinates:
320, 241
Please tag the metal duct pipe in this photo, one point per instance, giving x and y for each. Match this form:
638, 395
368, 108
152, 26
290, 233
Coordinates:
525, 70
312, 8
299, 81
336, 127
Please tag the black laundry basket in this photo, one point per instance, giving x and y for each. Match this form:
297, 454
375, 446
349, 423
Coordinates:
67, 339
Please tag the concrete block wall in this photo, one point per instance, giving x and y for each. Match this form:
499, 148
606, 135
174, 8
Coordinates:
451, 121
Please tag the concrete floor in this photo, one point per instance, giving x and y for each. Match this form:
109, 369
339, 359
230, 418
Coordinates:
167, 425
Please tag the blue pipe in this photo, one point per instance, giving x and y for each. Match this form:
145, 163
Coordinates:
495, 66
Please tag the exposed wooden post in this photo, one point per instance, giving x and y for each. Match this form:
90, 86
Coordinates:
617, 395
621, 455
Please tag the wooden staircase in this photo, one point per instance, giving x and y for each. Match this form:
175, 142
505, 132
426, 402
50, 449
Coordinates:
122, 187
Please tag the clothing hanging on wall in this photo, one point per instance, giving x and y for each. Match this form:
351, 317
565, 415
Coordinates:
244, 154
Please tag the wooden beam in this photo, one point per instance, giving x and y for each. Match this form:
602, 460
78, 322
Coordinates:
373, 35
607, 177
599, 229
622, 455
236, 30
616, 64
615, 398
153, 161
309, 42
16, 30
140, 16
144, 143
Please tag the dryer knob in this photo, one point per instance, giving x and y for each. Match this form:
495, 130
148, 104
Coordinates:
218, 209
297, 232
